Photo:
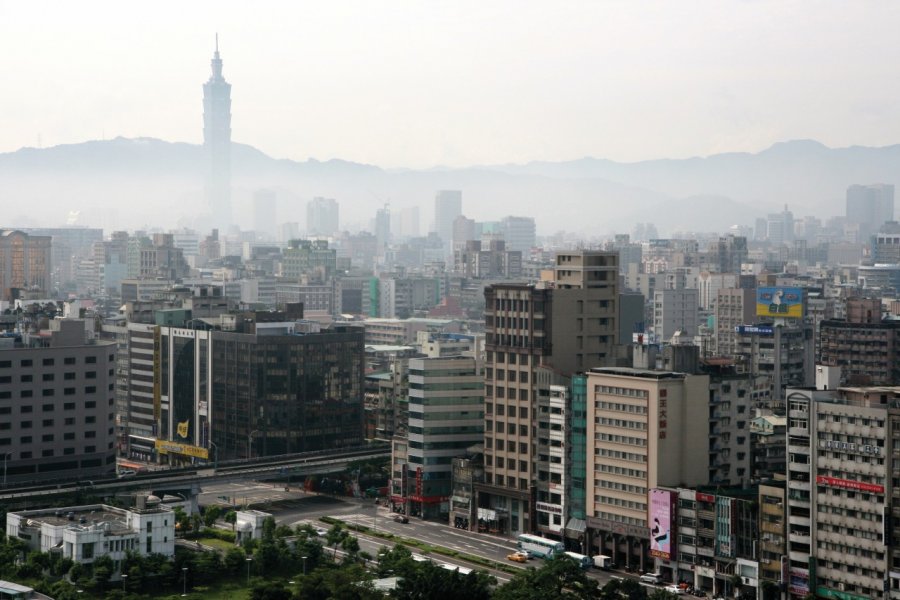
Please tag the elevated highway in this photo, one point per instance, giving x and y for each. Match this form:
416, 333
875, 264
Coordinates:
189, 480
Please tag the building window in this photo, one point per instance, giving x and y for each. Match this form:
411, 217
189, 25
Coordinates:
47, 362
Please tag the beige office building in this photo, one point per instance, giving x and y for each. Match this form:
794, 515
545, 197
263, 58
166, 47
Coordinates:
648, 429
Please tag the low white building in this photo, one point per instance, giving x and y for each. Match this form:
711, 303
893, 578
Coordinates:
249, 525
85, 533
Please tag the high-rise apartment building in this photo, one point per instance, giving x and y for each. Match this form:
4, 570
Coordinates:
870, 206
68, 245
866, 348
675, 311
487, 259
519, 233
25, 263
783, 352
567, 324
217, 142
780, 227
312, 259
265, 204
733, 307
841, 485
322, 216
383, 228
447, 206
446, 416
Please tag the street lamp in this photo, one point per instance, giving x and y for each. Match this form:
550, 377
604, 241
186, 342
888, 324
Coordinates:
5, 456
250, 443
184, 581
124, 579
304, 566
249, 560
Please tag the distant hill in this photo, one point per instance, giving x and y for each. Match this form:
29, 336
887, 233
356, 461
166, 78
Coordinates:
131, 183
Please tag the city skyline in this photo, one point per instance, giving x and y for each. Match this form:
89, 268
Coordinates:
461, 85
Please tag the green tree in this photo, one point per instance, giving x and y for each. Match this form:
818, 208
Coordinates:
76, 573
633, 590
268, 528
395, 561
350, 545
346, 582
559, 578
103, 571
231, 517
234, 559
270, 590
429, 581
770, 590
196, 523
208, 566
211, 515
336, 536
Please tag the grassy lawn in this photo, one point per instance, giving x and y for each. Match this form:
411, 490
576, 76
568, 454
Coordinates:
216, 543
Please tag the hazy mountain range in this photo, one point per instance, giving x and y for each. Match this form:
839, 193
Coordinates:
131, 183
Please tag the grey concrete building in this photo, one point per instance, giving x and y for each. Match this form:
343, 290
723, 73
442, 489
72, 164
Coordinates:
57, 404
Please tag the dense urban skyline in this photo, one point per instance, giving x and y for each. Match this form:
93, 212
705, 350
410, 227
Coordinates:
413, 85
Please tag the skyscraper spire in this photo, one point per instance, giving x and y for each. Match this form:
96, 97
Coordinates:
217, 64
217, 143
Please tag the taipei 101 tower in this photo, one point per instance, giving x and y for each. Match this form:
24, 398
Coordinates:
217, 144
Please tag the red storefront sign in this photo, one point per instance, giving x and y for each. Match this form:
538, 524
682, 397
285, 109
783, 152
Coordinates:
418, 481
705, 498
847, 484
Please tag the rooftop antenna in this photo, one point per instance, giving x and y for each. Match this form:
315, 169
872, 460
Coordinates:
217, 42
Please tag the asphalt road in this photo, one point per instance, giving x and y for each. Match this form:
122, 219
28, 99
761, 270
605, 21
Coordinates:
297, 506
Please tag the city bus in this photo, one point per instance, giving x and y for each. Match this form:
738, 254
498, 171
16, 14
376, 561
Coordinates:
539, 547
583, 561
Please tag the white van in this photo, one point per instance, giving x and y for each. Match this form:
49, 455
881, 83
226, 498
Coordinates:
654, 578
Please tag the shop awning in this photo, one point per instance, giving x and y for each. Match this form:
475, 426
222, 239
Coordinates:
577, 526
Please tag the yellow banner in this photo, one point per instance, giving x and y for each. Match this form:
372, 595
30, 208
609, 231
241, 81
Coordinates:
166, 447
183, 428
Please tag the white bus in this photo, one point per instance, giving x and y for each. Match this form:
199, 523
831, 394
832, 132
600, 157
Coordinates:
583, 561
539, 547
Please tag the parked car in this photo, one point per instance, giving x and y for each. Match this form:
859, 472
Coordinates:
518, 557
654, 578
401, 519
675, 589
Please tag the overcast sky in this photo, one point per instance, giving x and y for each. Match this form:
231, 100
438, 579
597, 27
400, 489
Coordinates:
457, 83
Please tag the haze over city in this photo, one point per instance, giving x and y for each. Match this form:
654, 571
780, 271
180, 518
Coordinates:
450, 300
413, 84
